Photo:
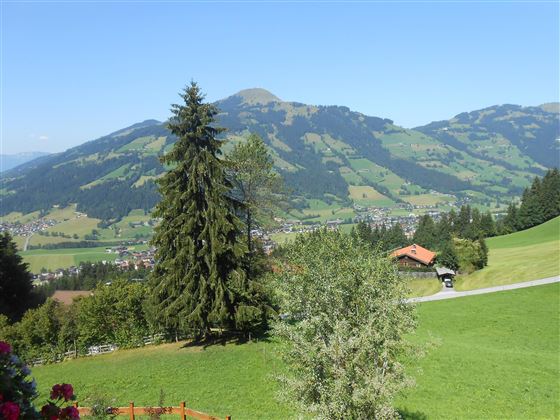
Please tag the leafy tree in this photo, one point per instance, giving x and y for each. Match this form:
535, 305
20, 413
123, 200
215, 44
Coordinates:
113, 314
15, 280
346, 328
36, 335
255, 181
199, 253
471, 254
448, 256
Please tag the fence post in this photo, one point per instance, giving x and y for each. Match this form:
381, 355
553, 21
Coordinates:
131, 410
182, 410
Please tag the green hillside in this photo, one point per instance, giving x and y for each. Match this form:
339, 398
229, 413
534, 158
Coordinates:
546, 232
496, 358
328, 153
526, 255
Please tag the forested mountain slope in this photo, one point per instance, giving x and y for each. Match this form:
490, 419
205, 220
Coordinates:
325, 152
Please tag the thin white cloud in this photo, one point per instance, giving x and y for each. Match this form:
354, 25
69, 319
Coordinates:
43, 137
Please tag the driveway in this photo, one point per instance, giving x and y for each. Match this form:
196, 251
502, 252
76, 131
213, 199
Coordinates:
451, 293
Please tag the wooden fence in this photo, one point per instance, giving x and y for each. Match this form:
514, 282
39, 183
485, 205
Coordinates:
131, 411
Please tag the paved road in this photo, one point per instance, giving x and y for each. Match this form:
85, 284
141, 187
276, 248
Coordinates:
451, 293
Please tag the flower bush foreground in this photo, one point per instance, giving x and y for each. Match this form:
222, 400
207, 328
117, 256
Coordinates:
17, 392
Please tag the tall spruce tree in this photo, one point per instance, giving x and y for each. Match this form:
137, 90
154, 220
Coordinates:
15, 280
198, 260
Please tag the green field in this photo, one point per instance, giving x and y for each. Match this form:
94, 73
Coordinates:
52, 259
527, 255
427, 199
497, 358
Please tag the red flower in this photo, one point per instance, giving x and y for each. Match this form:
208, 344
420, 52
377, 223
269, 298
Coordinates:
5, 348
9, 411
55, 392
67, 392
50, 412
62, 391
70, 413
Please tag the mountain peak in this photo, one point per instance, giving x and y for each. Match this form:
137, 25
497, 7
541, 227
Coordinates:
257, 96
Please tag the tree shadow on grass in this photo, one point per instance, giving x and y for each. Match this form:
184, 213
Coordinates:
228, 337
411, 415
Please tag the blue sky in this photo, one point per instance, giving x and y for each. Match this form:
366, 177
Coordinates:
72, 72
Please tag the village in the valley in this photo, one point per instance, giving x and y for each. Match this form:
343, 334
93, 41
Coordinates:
129, 257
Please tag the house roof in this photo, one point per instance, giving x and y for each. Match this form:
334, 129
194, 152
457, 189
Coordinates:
415, 252
66, 297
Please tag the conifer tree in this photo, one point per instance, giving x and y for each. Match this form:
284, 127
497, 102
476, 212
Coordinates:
531, 211
487, 225
551, 194
396, 237
425, 234
15, 280
199, 251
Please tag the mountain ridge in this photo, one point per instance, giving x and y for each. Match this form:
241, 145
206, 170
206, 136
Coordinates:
326, 153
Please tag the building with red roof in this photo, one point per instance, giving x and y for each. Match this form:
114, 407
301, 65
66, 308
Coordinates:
414, 256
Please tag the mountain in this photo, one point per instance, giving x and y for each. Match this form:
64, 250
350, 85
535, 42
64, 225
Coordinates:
506, 133
330, 153
11, 161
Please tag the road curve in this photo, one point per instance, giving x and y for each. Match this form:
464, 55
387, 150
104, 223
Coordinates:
451, 294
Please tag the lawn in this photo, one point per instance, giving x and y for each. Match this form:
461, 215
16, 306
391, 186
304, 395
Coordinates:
497, 358
527, 255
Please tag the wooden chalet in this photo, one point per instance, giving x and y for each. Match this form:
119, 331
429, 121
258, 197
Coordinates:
414, 256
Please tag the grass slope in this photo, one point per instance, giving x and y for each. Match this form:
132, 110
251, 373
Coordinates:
497, 358
220, 380
527, 255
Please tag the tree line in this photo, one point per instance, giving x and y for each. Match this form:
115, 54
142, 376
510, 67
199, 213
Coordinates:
539, 203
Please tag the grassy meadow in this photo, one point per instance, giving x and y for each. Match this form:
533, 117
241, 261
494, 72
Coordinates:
527, 255
497, 357
62, 258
